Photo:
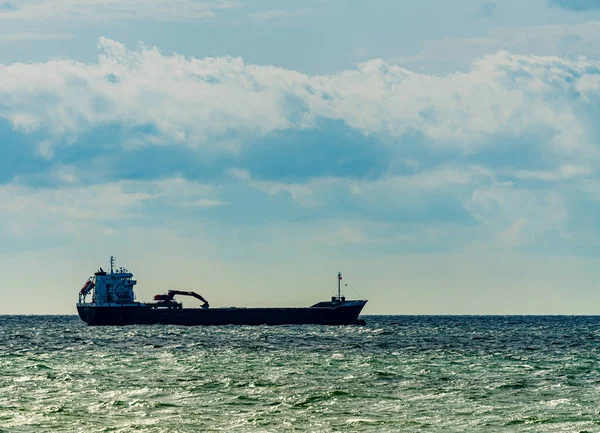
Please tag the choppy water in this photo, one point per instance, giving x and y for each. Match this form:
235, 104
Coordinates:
425, 374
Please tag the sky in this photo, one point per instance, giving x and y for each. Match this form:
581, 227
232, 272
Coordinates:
444, 156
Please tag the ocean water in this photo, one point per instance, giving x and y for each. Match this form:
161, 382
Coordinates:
398, 374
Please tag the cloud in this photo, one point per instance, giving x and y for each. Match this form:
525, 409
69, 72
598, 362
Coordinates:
449, 54
562, 173
98, 10
592, 187
75, 209
214, 102
206, 202
517, 233
224, 216
576, 5
521, 216
77, 203
34, 36
276, 14
431, 210
427, 196
381, 156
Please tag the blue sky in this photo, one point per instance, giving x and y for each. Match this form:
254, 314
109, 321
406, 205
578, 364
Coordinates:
442, 155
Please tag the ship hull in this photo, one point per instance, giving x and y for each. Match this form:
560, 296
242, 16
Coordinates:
141, 314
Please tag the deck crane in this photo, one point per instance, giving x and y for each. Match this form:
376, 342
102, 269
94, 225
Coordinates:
171, 294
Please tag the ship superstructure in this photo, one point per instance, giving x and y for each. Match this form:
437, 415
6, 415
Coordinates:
109, 288
113, 302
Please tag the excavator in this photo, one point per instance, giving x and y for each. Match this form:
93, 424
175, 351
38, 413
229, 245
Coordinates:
171, 294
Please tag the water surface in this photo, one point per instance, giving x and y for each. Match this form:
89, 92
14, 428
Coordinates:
408, 374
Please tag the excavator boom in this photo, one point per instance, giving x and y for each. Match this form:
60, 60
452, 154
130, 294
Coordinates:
172, 293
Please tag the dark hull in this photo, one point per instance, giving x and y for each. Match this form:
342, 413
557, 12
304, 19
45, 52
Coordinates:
146, 315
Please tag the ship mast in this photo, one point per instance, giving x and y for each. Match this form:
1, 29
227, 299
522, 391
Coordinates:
339, 286
112, 264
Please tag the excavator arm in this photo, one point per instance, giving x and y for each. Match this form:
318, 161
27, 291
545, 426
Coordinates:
172, 293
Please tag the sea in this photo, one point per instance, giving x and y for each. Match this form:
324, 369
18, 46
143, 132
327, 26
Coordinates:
396, 374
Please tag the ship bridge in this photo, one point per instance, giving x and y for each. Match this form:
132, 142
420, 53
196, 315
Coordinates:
109, 288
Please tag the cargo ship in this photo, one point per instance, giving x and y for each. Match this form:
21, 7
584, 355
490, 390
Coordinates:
113, 302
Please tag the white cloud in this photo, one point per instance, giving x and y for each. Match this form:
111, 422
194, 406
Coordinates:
519, 216
517, 234
240, 174
207, 202
98, 10
29, 213
507, 213
275, 14
100, 202
592, 187
448, 54
45, 148
445, 176
33, 36
67, 174
190, 100
515, 216
73, 209
299, 192
564, 172
315, 191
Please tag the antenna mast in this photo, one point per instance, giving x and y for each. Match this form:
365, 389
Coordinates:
112, 264
339, 286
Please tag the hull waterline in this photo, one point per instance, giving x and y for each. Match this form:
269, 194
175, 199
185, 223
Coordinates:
146, 315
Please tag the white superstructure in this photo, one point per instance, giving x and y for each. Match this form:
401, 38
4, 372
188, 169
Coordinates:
109, 288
